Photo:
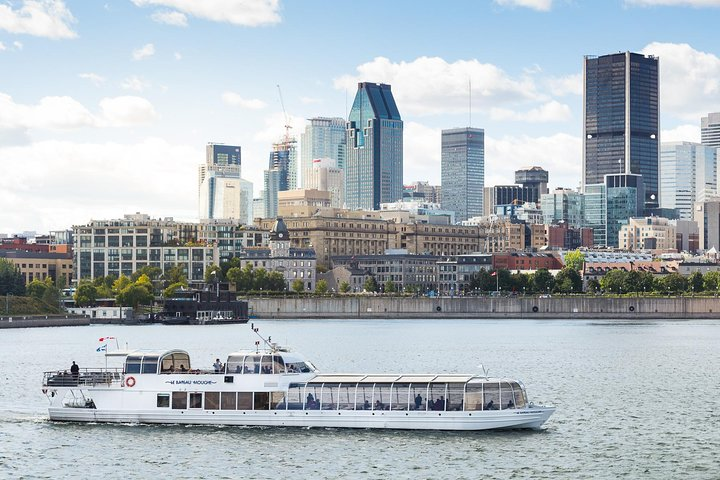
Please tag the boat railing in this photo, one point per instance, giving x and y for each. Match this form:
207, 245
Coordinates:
89, 377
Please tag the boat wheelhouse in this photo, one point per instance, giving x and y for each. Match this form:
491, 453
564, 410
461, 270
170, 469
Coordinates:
281, 388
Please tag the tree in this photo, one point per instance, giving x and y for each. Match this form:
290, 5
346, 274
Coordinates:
134, 295
674, 283
176, 274
260, 279
51, 296
11, 280
298, 286
36, 289
276, 282
121, 284
542, 281
169, 292
575, 260
568, 280
613, 281
593, 286
214, 274
711, 282
145, 282
695, 282
153, 273
344, 287
104, 285
390, 287
370, 284
519, 282
234, 262
85, 295
482, 281
321, 287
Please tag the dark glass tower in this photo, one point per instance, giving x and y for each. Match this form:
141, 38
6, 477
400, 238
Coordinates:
463, 171
222, 155
374, 163
621, 129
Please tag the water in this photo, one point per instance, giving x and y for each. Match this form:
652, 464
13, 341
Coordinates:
633, 400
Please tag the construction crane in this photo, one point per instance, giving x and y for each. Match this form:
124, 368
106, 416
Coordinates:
287, 122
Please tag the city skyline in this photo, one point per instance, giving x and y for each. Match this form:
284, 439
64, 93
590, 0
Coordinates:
112, 122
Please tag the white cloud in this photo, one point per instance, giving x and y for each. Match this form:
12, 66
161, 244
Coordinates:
552, 111
309, 100
170, 18
567, 85
96, 79
147, 50
2, 47
249, 13
541, 5
681, 133
689, 80
66, 113
673, 3
178, 56
274, 129
430, 85
127, 111
18, 45
116, 176
135, 83
40, 18
234, 99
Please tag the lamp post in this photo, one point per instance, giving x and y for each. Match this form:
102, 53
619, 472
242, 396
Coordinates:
7, 302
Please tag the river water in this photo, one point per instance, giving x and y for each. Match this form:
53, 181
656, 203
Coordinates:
636, 400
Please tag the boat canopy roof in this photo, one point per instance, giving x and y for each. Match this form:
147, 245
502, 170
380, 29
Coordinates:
390, 378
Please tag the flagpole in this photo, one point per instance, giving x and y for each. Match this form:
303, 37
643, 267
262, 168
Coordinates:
497, 282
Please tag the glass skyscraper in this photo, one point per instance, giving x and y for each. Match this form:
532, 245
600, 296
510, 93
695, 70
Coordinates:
689, 175
710, 130
621, 120
374, 164
323, 138
284, 158
463, 171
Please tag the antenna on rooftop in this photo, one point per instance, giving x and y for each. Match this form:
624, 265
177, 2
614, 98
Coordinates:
469, 102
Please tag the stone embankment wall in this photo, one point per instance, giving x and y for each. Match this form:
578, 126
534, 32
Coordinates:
25, 321
487, 307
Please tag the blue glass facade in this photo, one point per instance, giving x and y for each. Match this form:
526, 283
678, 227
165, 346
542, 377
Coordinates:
463, 171
621, 130
374, 164
624, 197
222, 155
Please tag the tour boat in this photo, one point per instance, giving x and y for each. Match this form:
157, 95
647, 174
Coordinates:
273, 386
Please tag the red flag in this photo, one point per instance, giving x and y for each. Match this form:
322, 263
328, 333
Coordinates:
102, 339
493, 274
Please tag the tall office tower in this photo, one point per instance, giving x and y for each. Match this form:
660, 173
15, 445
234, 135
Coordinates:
710, 130
284, 158
222, 193
563, 205
463, 171
323, 138
325, 176
624, 196
689, 175
374, 163
534, 179
271, 182
621, 131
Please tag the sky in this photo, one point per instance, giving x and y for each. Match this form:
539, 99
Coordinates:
106, 107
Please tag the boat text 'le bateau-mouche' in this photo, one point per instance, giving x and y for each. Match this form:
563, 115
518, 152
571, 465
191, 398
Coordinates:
276, 387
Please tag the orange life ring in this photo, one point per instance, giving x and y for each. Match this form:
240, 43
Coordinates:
130, 382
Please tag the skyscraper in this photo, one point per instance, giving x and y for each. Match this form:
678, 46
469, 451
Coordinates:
284, 158
463, 171
323, 138
222, 193
374, 165
710, 130
689, 175
621, 127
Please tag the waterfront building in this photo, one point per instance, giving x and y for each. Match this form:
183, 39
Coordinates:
455, 273
707, 217
354, 276
374, 164
406, 271
294, 263
463, 171
323, 138
621, 128
563, 205
689, 175
647, 233
524, 261
710, 130
40, 265
326, 176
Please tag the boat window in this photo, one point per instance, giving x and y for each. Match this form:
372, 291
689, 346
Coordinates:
329, 396
234, 364
244, 401
252, 364
474, 396
179, 400
262, 400
175, 362
228, 401
277, 400
418, 394
163, 400
295, 396
491, 396
519, 393
363, 397
278, 364
266, 365
436, 397
132, 364
346, 396
212, 400
399, 396
312, 396
455, 396
381, 396
196, 400
298, 367
507, 396
149, 364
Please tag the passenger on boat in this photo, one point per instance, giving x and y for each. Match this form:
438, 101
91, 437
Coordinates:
378, 405
366, 405
490, 406
418, 401
238, 369
171, 369
510, 404
75, 370
182, 368
218, 366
